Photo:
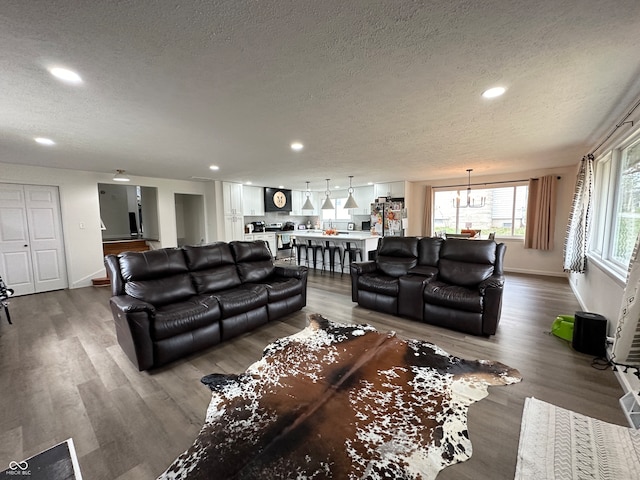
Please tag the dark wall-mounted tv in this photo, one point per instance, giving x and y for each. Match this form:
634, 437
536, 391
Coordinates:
277, 200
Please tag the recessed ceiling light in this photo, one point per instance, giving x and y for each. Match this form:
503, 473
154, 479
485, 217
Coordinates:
369, 183
296, 146
280, 186
494, 92
248, 183
44, 141
214, 167
337, 186
66, 75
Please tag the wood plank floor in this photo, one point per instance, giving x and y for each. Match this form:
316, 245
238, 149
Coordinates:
62, 374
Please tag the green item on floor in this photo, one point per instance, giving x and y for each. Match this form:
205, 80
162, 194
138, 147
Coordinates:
562, 327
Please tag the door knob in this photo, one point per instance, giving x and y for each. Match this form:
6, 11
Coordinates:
25, 245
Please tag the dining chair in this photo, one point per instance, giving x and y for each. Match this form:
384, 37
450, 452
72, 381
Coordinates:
5, 293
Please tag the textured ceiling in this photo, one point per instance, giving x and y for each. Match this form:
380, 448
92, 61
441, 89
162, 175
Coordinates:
382, 90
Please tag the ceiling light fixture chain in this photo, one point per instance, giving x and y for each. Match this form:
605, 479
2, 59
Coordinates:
351, 202
471, 202
327, 205
307, 204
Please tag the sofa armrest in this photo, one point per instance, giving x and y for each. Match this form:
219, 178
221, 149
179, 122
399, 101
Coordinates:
424, 270
491, 289
133, 319
291, 272
128, 304
493, 282
359, 268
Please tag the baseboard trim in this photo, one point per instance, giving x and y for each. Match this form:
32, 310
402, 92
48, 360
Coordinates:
535, 272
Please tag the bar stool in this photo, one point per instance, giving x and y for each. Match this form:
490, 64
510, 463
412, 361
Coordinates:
332, 247
316, 246
353, 253
298, 248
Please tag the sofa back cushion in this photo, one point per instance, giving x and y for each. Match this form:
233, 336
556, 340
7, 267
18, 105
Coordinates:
253, 260
157, 276
466, 262
212, 267
396, 255
429, 251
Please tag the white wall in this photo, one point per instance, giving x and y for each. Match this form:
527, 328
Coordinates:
79, 205
517, 258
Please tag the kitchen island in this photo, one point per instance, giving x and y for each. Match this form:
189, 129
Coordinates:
363, 240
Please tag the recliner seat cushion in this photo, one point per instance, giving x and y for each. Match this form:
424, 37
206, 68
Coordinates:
281, 288
452, 296
161, 291
379, 283
241, 299
181, 317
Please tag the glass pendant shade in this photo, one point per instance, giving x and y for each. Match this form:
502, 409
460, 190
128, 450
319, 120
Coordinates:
351, 202
120, 176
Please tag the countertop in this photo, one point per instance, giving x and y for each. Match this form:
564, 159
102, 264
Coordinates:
352, 235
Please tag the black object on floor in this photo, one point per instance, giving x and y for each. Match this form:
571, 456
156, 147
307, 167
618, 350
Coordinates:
590, 333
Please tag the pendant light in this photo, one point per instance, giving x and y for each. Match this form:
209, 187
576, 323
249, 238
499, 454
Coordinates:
120, 176
327, 205
307, 203
351, 203
471, 202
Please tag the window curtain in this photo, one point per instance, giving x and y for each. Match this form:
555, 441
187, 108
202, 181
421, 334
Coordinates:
427, 228
626, 344
575, 242
541, 213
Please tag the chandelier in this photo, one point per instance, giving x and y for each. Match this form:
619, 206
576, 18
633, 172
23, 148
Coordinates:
471, 202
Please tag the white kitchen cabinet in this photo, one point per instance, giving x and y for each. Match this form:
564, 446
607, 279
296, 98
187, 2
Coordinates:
269, 237
297, 201
252, 201
233, 227
232, 198
233, 219
391, 189
364, 197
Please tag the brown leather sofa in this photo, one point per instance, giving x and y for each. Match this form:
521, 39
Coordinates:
453, 283
172, 302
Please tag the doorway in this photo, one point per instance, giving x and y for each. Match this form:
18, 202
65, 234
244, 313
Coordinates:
32, 257
189, 219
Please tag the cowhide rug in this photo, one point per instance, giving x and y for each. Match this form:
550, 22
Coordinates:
340, 401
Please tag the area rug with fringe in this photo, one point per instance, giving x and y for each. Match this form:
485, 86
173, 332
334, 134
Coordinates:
560, 444
340, 401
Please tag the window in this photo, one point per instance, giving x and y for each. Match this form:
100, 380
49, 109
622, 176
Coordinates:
338, 212
616, 206
627, 213
504, 211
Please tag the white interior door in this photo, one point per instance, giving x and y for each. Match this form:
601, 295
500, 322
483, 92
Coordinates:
15, 255
31, 243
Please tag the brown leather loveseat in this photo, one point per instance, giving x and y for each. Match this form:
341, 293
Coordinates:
172, 302
453, 283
